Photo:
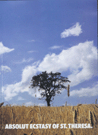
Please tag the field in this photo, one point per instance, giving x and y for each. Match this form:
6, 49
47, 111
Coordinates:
81, 113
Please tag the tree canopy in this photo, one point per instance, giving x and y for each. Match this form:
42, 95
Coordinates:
49, 84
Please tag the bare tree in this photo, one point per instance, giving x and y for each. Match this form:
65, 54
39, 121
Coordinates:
49, 84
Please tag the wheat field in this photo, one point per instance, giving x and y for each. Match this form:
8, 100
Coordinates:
81, 113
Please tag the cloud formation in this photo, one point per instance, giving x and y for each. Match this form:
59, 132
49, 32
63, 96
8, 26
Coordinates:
87, 92
32, 51
29, 104
4, 49
31, 40
55, 47
5, 68
24, 61
72, 31
20, 98
80, 60
12, 90
32, 104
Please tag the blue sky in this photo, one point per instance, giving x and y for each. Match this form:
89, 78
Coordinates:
48, 35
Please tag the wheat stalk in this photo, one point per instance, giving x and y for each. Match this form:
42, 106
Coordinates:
90, 118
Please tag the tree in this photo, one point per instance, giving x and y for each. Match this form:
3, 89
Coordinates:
49, 84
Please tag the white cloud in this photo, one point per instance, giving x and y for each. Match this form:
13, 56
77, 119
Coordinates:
24, 61
72, 31
28, 72
80, 60
32, 104
4, 49
29, 104
41, 104
12, 90
20, 98
9, 92
32, 51
55, 47
27, 60
88, 92
5, 68
31, 40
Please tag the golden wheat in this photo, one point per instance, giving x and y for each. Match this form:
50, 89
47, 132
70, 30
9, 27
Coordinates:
50, 115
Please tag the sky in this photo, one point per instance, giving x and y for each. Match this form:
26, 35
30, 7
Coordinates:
48, 35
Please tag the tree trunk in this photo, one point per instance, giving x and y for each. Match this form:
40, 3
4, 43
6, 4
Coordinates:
48, 100
48, 103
